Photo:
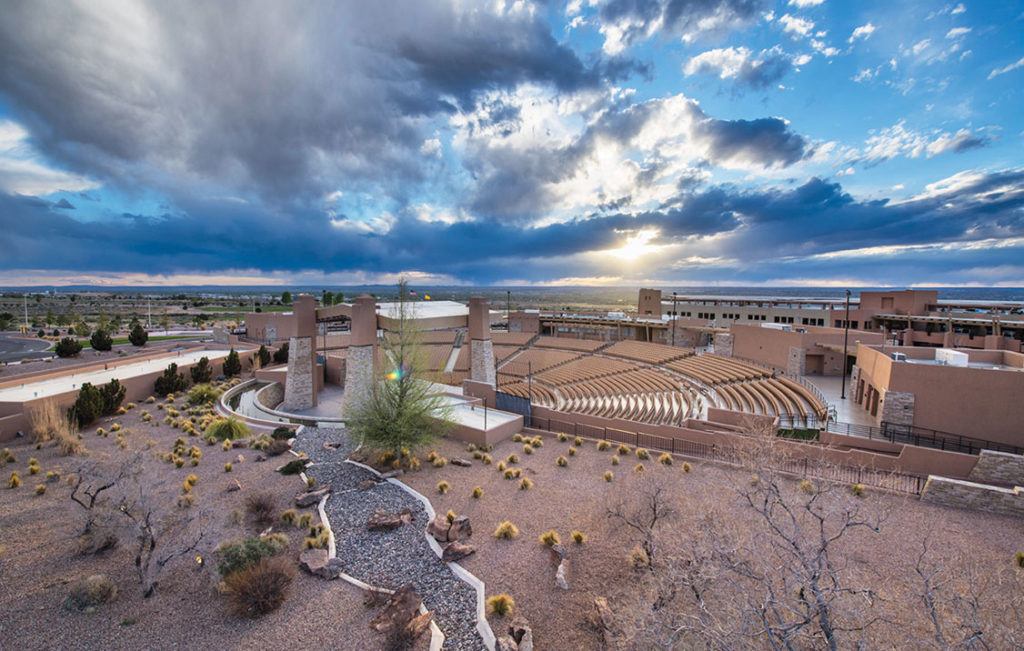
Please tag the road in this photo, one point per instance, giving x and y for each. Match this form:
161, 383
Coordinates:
15, 348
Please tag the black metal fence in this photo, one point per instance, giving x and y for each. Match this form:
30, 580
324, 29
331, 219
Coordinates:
513, 404
922, 437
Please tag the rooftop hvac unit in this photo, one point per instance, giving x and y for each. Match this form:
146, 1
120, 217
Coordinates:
899, 357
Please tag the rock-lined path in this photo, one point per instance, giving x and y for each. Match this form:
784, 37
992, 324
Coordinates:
388, 559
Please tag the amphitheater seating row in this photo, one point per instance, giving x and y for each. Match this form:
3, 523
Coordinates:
585, 368
542, 395
519, 339
536, 359
774, 397
564, 343
650, 353
437, 356
715, 369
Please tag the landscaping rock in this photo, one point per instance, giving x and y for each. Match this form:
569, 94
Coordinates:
392, 474
304, 500
418, 625
558, 551
399, 612
241, 443
331, 446
235, 485
260, 457
406, 515
606, 622
506, 643
456, 551
562, 575
382, 521
314, 560
438, 528
366, 485
240, 458
519, 630
460, 529
465, 463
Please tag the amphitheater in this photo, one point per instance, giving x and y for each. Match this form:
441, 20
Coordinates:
639, 381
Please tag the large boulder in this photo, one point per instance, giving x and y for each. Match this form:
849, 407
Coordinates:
456, 461
456, 551
318, 563
382, 521
444, 531
399, 612
312, 498
460, 529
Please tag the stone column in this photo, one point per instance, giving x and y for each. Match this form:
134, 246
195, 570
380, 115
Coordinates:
481, 350
362, 349
796, 362
723, 344
898, 408
300, 385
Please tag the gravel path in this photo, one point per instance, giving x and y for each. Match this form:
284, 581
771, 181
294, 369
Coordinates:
388, 559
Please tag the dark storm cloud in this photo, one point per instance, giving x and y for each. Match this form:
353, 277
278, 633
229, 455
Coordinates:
763, 229
677, 17
765, 142
284, 100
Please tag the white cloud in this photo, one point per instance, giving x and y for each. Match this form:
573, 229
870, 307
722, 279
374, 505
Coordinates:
897, 140
803, 4
920, 46
823, 48
959, 9
801, 59
795, 25
1006, 69
431, 147
867, 74
864, 31
957, 32
22, 171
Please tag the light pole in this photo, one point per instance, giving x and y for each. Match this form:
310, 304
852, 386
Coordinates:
673, 318
846, 339
508, 307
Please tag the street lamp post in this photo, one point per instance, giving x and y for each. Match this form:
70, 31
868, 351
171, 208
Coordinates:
846, 339
508, 307
673, 318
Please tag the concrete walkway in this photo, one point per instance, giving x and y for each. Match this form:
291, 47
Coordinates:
328, 403
847, 411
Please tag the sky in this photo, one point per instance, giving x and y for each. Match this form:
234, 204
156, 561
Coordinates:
594, 142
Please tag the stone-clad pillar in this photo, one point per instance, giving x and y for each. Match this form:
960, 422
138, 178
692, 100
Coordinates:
300, 386
481, 350
362, 348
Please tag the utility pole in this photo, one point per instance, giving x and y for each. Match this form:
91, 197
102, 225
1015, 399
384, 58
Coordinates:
846, 339
673, 318
25, 297
508, 307
149, 317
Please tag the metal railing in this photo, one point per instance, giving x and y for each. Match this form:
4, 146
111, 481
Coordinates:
922, 437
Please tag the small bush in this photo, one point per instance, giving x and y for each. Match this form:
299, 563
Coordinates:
477, 454
572, 451
506, 531
228, 467
623, 450
185, 501
68, 347
202, 394
282, 433
578, 442
310, 482
14, 481
294, 467
40, 489
525, 484
550, 538
414, 463
477, 492
33, 469
603, 445
225, 444
450, 516
261, 588
88, 594
439, 462
512, 459
537, 442
578, 537
638, 557
150, 400
230, 428
304, 520
642, 454
487, 459
501, 466
443, 486
517, 472
527, 449
501, 605
638, 467
510, 474
562, 462
665, 459
615, 460
562, 438
432, 455
857, 490
240, 554
470, 447
517, 438
609, 476
289, 517
687, 467
1019, 558
261, 507
178, 462
806, 486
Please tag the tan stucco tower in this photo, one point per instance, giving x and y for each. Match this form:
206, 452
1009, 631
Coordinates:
361, 350
481, 350
300, 388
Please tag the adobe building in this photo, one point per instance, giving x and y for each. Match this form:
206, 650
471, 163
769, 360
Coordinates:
797, 351
976, 393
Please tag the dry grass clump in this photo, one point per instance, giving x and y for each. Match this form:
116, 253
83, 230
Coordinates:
603, 445
562, 438
512, 459
562, 462
1019, 558
290, 517
608, 476
450, 516
642, 454
41, 489
578, 442
537, 442
638, 558
318, 538
550, 538
638, 467
687, 467
90, 593
857, 490
572, 451
259, 589
525, 484
45, 421
487, 459
506, 531
477, 492
501, 605
228, 467
261, 507
665, 459
439, 462
14, 481
615, 460
623, 450
528, 449
517, 438
578, 537
443, 487
228, 429
806, 486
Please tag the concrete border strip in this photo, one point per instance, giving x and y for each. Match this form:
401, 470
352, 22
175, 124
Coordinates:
482, 626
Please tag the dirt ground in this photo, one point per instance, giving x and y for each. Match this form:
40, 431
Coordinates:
38, 562
577, 497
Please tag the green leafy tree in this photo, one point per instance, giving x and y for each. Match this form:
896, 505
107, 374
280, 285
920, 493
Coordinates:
41, 333
286, 297
56, 332
232, 365
171, 381
49, 317
6, 318
82, 329
88, 406
100, 340
68, 347
264, 355
281, 354
102, 322
138, 335
201, 371
165, 322
328, 299
401, 410
62, 320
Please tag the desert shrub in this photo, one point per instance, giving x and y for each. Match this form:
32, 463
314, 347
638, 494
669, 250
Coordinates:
572, 451
562, 462
643, 454
14, 481
487, 459
638, 467
525, 484
304, 520
432, 455
201, 371
228, 429
439, 462
170, 381
150, 400
477, 492
517, 438
239, 554
228, 467
512, 459
7, 456
470, 447
68, 440
528, 449
609, 476
517, 472
52, 475
45, 421
501, 605
191, 481
310, 482
443, 486
687, 467
261, 507
450, 516
40, 489
414, 463
100, 340
88, 594
638, 558
263, 355
289, 517
550, 538
33, 469
578, 442
666, 459
806, 486
277, 448
562, 438
510, 474
178, 462
88, 406
477, 454
138, 335
281, 354
282, 433
186, 500
578, 537
603, 445
68, 347
615, 460
225, 444
116, 427
537, 442
262, 442
501, 466
1019, 558
623, 450
506, 531
294, 467
203, 394
232, 365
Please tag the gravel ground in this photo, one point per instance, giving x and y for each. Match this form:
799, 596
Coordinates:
389, 559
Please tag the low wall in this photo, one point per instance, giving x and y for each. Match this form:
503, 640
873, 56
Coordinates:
742, 419
969, 495
271, 395
998, 467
